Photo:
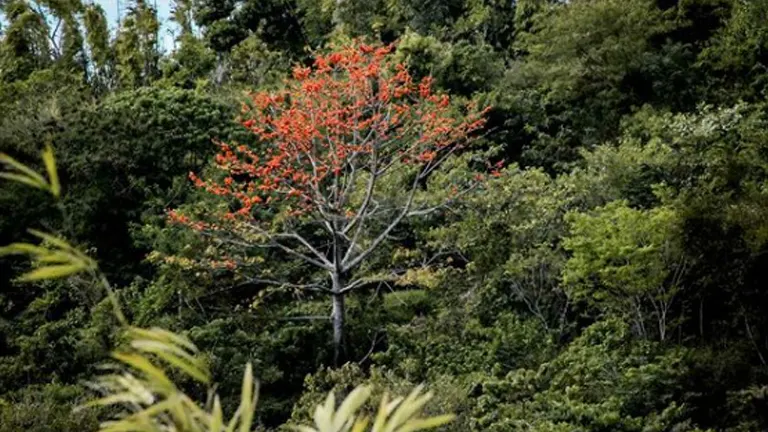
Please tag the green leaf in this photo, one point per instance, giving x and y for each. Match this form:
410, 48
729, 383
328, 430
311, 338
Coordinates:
50, 166
4, 158
175, 357
23, 249
349, 407
162, 335
52, 272
56, 241
141, 363
426, 423
217, 417
20, 178
248, 399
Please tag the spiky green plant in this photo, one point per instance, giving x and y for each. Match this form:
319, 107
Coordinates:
139, 387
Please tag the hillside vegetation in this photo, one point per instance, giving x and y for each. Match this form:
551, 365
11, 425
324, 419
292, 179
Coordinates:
554, 214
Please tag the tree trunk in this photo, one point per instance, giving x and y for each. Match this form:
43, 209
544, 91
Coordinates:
337, 317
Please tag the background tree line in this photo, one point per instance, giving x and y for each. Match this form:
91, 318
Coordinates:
610, 278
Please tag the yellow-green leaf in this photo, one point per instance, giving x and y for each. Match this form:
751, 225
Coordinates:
50, 166
20, 178
143, 364
158, 334
175, 357
248, 399
426, 423
23, 249
351, 404
217, 417
52, 272
360, 425
4, 158
56, 241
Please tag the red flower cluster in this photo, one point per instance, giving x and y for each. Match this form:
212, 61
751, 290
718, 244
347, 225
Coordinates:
330, 120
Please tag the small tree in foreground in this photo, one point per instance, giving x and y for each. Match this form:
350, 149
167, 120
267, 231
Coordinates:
343, 152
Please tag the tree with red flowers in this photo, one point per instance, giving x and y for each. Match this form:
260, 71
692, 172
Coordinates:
345, 148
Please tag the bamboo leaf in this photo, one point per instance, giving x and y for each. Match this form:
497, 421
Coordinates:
383, 412
233, 421
18, 166
407, 408
302, 428
59, 257
351, 404
53, 175
113, 399
56, 241
52, 272
217, 417
20, 178
143, 364
248, 400
163, 335
175, 357
360, 425
426, 423
324, 414
23, 249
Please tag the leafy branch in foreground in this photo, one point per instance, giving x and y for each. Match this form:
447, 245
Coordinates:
145, 398
23, 174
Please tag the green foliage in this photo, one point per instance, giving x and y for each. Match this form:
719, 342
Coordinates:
154, 403
45, 409
737, 54
627, 261
450, 395
136, 47
603, 380
510, 240
635, 138
463, 67
24, 46
254, 65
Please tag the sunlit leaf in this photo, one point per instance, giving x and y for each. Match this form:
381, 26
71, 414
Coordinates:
23, 249
158, 334
349, 407
426, 423
18, 166
52, 272
20, 178
247, 399
175, 357
141, 363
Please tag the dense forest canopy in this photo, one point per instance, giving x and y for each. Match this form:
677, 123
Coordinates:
552, 213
